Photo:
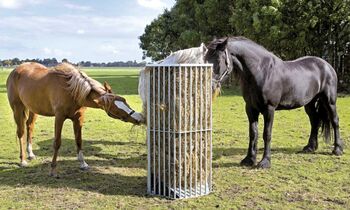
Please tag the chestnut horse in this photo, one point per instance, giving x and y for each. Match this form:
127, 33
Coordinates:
63, 92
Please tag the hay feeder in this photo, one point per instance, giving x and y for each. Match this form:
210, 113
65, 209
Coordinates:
179, 130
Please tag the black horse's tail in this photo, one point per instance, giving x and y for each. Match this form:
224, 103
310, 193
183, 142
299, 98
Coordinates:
325, 121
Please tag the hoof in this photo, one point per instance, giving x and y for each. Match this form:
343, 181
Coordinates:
338, 151
23, 163
84, 167
53, 173
31, 157
248, 161
308, 149
264, 163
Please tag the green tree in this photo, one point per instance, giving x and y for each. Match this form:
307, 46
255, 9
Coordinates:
289, 28
187, 24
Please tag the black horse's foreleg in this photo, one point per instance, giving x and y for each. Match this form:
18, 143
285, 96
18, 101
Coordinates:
253, 117
311, 111
268, 122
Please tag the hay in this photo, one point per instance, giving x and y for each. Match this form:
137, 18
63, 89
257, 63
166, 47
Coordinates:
190, 55
180, 111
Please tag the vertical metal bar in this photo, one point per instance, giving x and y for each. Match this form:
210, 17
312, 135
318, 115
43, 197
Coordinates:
169, 148
158, 110
206, 130
191, 100
154, 129
211, 131
196, 129
180, 134
148, 79
163, 140
185, 149
174, 134
163, 120
201, 128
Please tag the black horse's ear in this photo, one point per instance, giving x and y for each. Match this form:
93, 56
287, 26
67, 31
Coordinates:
218, 44
221, 44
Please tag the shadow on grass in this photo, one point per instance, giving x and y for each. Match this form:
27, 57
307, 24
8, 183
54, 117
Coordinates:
109, 174
94, 180
232, 151
92, 148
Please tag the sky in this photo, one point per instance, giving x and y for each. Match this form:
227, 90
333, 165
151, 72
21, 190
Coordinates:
79, 30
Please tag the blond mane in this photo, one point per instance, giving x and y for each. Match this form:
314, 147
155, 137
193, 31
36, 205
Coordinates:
78, 84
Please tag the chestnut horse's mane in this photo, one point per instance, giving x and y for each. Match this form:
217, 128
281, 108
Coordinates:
78, 83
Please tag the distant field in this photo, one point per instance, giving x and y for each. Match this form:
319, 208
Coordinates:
116, 152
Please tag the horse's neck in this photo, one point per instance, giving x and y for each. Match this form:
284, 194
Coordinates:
89, 101
249, 59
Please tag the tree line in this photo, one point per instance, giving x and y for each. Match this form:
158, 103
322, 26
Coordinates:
53, 61
289, 28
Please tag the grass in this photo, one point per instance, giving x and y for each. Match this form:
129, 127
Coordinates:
116, 153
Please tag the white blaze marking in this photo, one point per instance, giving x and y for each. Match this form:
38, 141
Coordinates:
137, 116
124, 107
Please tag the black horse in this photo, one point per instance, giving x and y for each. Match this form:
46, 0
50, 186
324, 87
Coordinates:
269, 83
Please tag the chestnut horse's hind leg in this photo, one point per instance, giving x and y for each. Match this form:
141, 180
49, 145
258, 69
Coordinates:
20, 115
59, 120
77, 125
311, 111
30, 126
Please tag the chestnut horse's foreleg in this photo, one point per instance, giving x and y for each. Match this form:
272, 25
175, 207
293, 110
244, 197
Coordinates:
311, 111
268, 122
59, 120
253, 117
30, 127
19, 112
78, 121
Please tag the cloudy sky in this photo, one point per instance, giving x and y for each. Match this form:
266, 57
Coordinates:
95, 30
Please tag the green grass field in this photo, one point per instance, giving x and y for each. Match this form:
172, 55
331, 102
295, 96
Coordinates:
116, 153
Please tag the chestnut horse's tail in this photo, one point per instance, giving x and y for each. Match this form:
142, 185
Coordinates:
325, 121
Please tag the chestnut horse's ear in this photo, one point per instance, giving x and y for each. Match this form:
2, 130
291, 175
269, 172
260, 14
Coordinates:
107, 87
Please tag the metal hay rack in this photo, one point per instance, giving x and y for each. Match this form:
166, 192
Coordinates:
179, 133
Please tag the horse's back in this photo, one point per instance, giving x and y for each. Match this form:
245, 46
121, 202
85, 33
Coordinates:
34, 86
306, 78
318, 69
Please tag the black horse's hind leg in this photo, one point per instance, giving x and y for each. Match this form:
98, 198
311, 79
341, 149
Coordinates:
268, 122
311, 111
253, 117
333, 116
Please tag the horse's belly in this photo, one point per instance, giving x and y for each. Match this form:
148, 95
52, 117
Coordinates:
293, 101
39, 108
288, 106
